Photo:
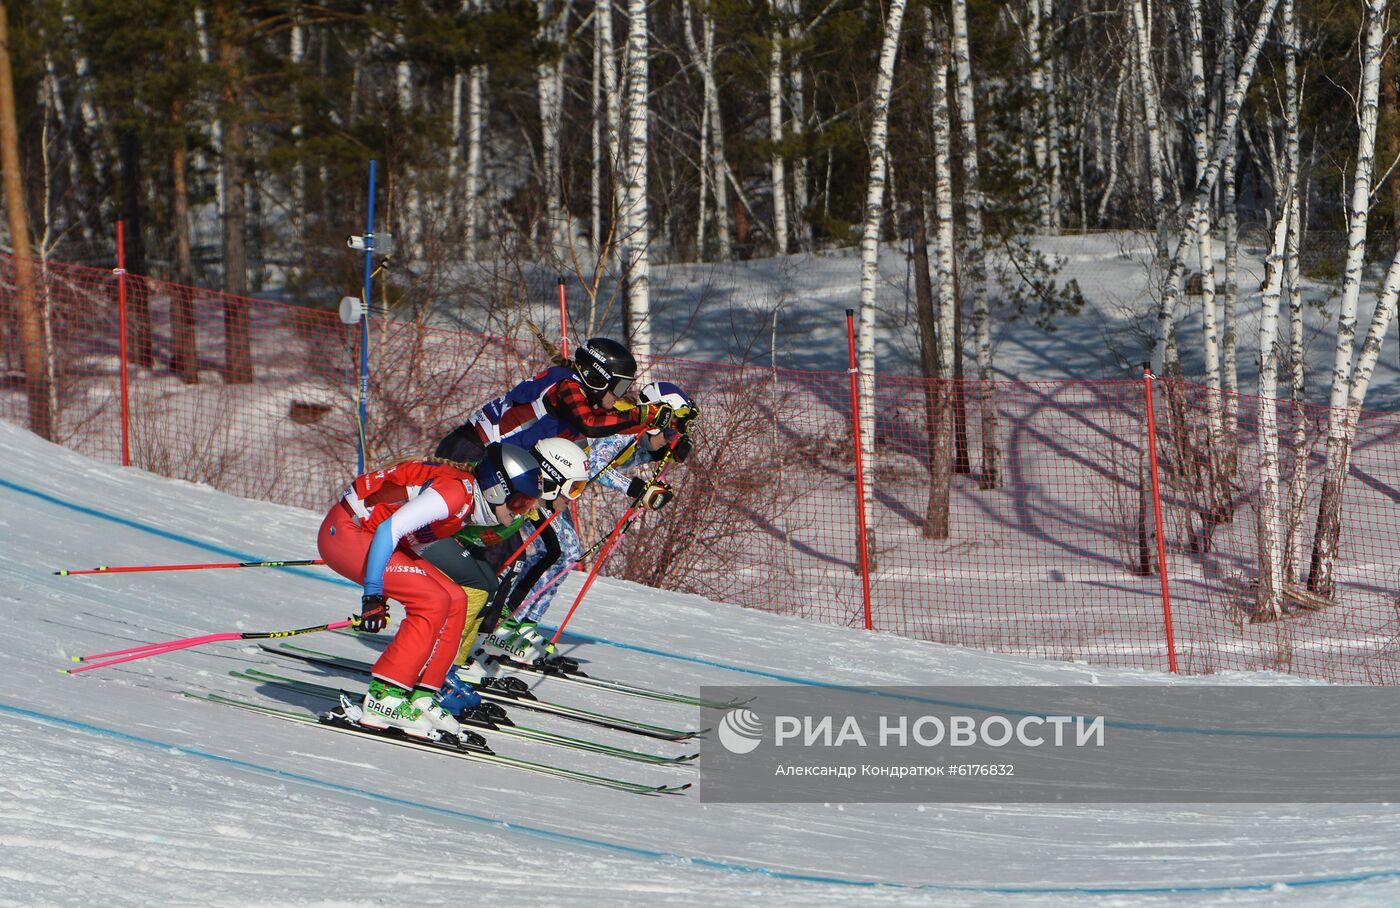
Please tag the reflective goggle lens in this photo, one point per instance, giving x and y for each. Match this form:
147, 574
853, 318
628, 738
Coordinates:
621, 384
575, 488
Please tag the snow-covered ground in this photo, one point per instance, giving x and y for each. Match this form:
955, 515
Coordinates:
116, 790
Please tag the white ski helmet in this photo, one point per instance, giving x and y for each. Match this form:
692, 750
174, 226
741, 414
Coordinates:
563, 467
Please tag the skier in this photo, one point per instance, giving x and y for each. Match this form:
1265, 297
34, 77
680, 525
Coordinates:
571, 399
558, 548
366, 537
564, 476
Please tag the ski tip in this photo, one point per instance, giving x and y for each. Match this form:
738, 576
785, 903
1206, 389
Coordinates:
65, 671
74, 659
60, 573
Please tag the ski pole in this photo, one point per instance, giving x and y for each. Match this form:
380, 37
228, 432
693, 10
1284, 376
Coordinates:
104, 569
156, 649
617, 532
588, 553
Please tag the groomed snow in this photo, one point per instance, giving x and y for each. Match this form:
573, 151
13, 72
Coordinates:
116, 790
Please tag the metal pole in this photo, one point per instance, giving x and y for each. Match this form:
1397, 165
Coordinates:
1147, 378
121, 343
860, 468
364, 326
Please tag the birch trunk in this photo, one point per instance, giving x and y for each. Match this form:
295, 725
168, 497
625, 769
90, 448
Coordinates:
1223, 146
549, 82
702, 53
797, 101
1209, 334
940, 407
1111, 181
1052, 114
216, 124
1270, 603
1040, 145
636, 230
973, 246
870, 252
476, 127
1230, 215
777, 170
1142, 41
595, 177
410, 221
1341, 424
612, 102
297, 56
1297, 491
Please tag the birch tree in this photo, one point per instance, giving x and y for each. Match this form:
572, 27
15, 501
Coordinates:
1147, 86
635, 228
1230, 379
870, 242
940, 412
1209, 334
1223, 145
776, 169
1270, 513
973, 244
1040, 132
549, 85
702, 54
1297, 493
1342, 423
797, 101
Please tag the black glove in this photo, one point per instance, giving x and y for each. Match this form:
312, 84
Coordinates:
658, 416
654, 498
374, 614
680, 448
681, 421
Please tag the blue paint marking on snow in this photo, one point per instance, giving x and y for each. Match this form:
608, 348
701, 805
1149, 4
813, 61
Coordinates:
982, 707
680, 657
167, 534
669, 857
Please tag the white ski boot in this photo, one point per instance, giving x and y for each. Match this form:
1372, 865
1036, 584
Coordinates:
387, 706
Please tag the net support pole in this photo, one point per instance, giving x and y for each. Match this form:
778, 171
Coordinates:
861, 530
1147, 379
122, 354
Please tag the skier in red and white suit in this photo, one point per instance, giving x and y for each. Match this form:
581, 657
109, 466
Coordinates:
368, 536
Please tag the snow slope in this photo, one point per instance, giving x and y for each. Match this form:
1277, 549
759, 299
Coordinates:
118, 791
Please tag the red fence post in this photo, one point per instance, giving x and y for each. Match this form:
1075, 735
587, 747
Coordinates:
860, 468
121, 342
1147, 378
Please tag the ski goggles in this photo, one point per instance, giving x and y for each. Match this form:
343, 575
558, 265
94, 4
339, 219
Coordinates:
621, 384
570, 489
617, 385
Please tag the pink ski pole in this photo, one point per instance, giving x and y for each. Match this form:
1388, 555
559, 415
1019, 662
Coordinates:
168, 646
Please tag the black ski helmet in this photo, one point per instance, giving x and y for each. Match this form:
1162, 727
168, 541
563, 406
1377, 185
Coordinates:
604, 365
509, 475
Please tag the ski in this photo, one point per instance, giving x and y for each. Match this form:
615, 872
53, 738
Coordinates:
568, 669
347, 714
325, 691
558, 667
495, 693
546, 769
